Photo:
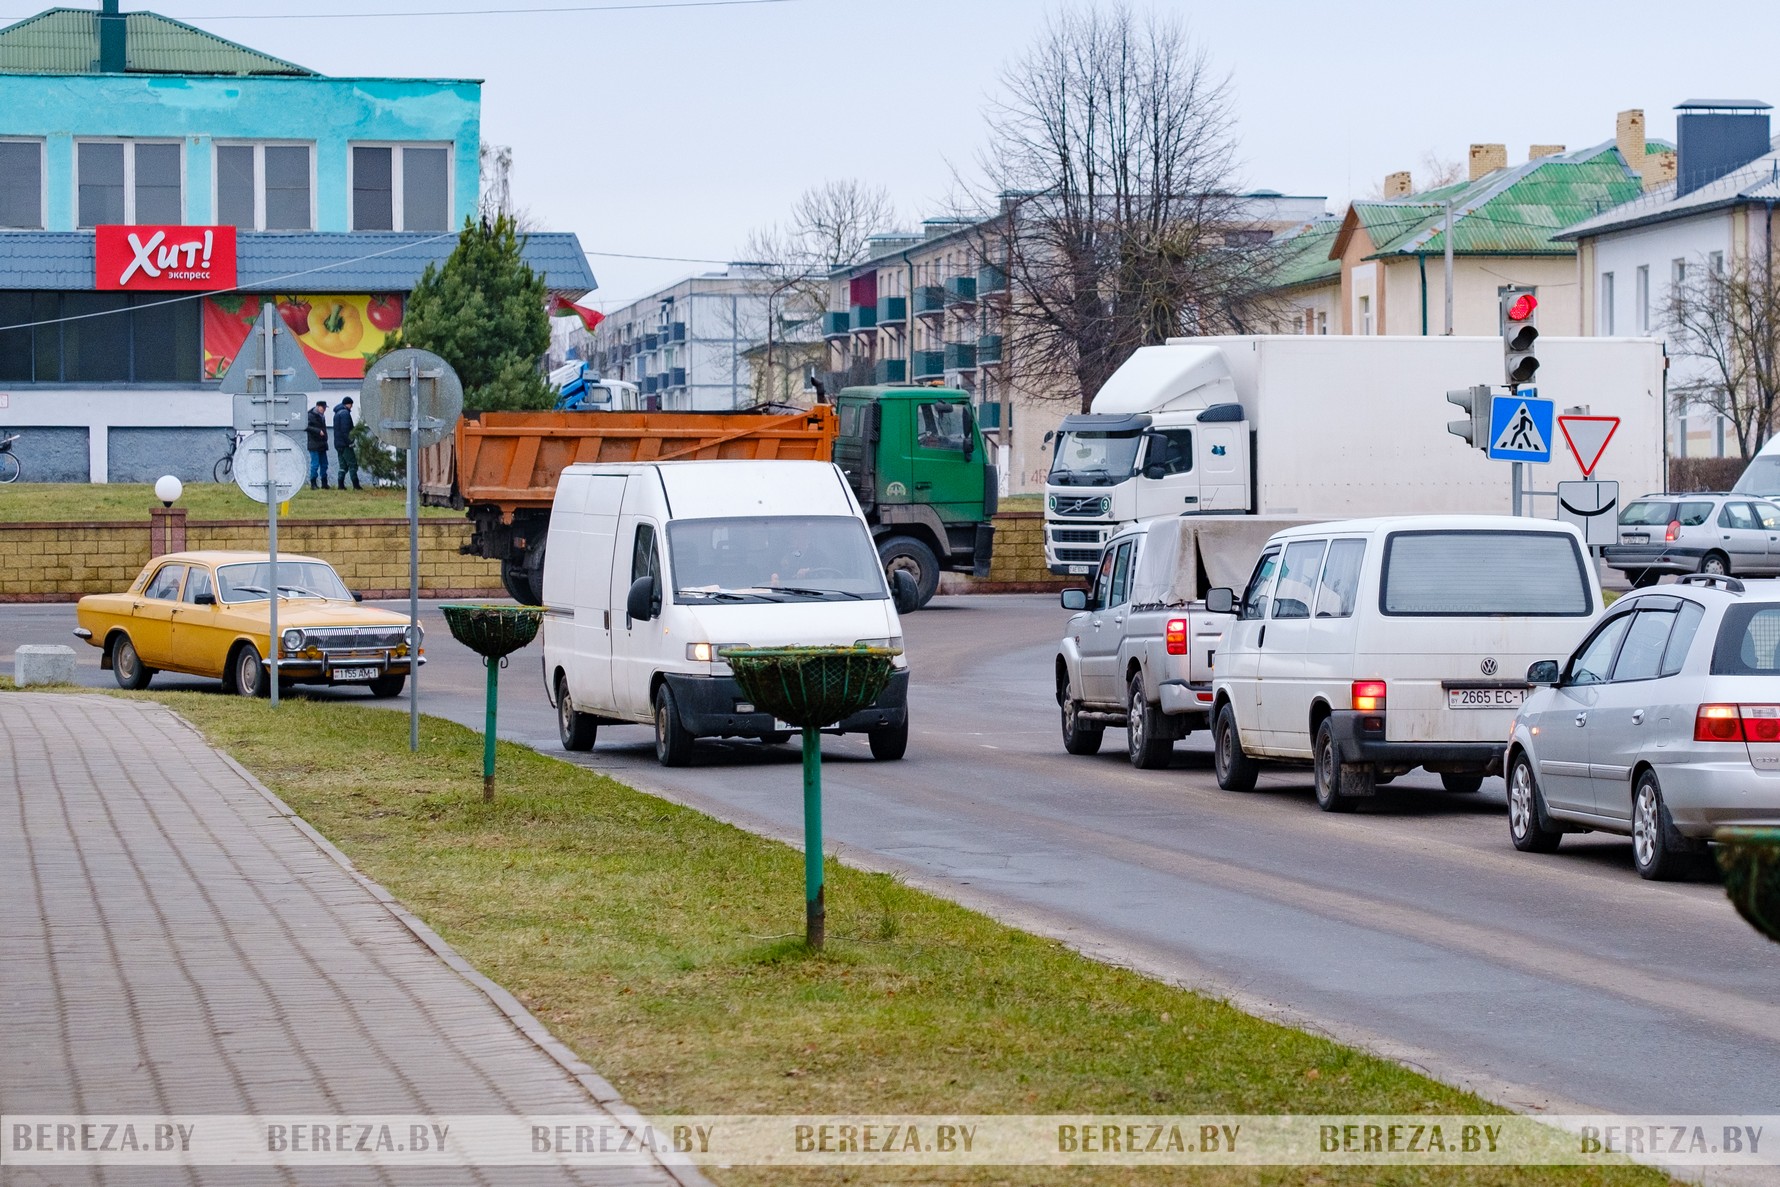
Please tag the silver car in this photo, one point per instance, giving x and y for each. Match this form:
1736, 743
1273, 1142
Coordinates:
1698, 533
1664, 724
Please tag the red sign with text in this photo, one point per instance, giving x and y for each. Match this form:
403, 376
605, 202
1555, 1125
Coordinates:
160, 258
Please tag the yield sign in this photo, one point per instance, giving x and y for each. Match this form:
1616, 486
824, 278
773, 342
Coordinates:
1587, 437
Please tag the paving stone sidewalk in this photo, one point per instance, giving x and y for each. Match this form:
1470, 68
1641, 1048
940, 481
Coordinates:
173, 941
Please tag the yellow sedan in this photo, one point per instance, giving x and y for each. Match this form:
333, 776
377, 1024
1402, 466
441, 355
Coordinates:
208, 614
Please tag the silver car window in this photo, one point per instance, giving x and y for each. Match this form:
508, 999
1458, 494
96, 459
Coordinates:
1692, 515
1641, 656
1592, 664
1647, 512
1736, 515
1768, 514
1687, 625
1748, 642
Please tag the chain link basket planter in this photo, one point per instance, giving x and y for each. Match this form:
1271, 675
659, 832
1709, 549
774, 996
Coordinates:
493, 631
1750, 859
811, 688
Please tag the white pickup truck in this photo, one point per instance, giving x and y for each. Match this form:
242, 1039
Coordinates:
1139, 651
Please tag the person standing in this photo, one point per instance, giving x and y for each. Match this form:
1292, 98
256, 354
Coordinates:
318, 444
345, 456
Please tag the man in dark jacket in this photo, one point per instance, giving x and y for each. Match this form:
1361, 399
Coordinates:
318, 444
346, 456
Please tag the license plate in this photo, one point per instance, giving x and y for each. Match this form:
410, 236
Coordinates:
1485, 698
784, 726
1078, 569
1634, 538
343, 674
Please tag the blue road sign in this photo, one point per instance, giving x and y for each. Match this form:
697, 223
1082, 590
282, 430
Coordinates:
1520, 427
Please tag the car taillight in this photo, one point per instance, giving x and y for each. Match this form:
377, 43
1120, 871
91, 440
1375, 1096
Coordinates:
1674, 532
1176, 636
1369, 696
1737, 723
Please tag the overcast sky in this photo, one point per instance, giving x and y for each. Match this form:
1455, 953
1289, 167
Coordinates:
673, 132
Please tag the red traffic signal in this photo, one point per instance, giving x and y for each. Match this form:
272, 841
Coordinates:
1523, 307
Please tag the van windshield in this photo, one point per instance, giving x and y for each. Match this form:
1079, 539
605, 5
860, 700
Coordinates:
775, 558
1460, 574
1760, 477
1094, 459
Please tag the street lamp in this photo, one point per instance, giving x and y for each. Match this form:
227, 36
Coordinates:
167, 489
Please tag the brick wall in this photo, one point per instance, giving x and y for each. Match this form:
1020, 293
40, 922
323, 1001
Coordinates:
1018, 565
58, 562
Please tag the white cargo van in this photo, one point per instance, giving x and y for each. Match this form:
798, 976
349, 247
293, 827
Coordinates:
1369, 647
653, 569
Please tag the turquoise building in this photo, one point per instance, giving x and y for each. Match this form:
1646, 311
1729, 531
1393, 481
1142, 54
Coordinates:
325, 196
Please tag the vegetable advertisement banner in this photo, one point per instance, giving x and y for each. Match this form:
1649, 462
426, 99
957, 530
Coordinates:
339, 334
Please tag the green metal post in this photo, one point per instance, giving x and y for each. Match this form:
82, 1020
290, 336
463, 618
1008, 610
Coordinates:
494, 696
815, 915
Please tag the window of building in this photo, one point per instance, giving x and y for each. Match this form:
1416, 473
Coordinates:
1365, 326
1715, 262
21, 184
1322, 323
398, 187
1606, 311
265, 187
99, 338
1677, 273
1643, 298
128, 181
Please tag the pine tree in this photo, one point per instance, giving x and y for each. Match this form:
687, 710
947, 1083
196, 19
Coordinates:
483, 313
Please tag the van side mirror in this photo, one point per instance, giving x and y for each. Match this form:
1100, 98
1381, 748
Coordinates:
1543, 672
1075, 599
644, 600
905, 592
1221, 600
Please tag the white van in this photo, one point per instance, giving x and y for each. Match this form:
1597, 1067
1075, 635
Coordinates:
652, 569
1370, 647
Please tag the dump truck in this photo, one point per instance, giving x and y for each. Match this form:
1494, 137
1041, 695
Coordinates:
913, 456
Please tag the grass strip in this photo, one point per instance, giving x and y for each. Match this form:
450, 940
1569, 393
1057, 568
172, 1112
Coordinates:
80, 502
665, 948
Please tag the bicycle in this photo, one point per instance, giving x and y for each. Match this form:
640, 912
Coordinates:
224, 470
10, 466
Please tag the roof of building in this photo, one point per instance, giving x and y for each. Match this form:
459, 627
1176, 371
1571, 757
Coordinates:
309, 261
1515, 211
1758, 181
1301, 256
66, 41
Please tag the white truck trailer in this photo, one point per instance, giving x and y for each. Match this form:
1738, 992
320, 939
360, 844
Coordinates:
1328, 427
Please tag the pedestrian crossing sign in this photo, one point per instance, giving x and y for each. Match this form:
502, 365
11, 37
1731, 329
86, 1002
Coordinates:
1520, 427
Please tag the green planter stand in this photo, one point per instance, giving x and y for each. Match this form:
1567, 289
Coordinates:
493, 632
812, 688
1750, 859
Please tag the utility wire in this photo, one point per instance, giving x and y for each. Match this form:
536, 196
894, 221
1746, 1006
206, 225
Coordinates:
345, 16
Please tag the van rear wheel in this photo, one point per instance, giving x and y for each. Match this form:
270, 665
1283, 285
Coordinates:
1338, 784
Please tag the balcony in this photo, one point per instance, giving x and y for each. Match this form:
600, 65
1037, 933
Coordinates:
865, 317
988, 350
989, 415
650, 386
892, 311
890, 371
961, 356
991, 279
650, 342
835, 324
930, 298
929, 364
674, 333
961, 290
676, 377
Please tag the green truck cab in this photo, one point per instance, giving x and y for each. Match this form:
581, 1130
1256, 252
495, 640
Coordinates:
917, 465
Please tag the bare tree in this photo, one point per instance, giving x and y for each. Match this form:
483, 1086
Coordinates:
1730, 322
1113, 163
1438, 171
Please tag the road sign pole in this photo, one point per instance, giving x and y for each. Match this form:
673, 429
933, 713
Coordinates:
413, 555
1518, 482
273, 646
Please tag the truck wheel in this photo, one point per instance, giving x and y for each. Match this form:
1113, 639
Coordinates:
1146, 731
909, 555
890, 742
1235, 769
1079, 738
673, 744
576, 729
517, 578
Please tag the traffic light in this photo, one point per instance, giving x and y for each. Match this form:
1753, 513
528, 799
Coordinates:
1520, 331
1476, 429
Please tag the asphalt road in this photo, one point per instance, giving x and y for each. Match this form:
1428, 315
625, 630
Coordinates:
1562, 983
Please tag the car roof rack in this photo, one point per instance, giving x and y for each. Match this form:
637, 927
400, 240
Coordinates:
1729, 584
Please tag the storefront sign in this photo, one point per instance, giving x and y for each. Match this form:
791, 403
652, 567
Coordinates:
163, 258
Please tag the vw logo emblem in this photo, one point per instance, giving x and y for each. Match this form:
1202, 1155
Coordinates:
1488, 665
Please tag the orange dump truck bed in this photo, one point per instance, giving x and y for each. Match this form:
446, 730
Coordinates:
511, 460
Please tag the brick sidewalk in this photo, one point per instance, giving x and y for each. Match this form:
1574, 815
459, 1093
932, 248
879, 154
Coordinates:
174, 941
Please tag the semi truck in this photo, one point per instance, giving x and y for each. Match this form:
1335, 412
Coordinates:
913, 456
1326, 427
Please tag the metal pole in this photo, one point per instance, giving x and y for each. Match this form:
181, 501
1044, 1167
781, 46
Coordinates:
414, 557
494, 696
814, 913
1517, 486
273, 647
1448, 238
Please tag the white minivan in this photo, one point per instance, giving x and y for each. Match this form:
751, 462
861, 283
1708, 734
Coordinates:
1370, 647
653, 569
